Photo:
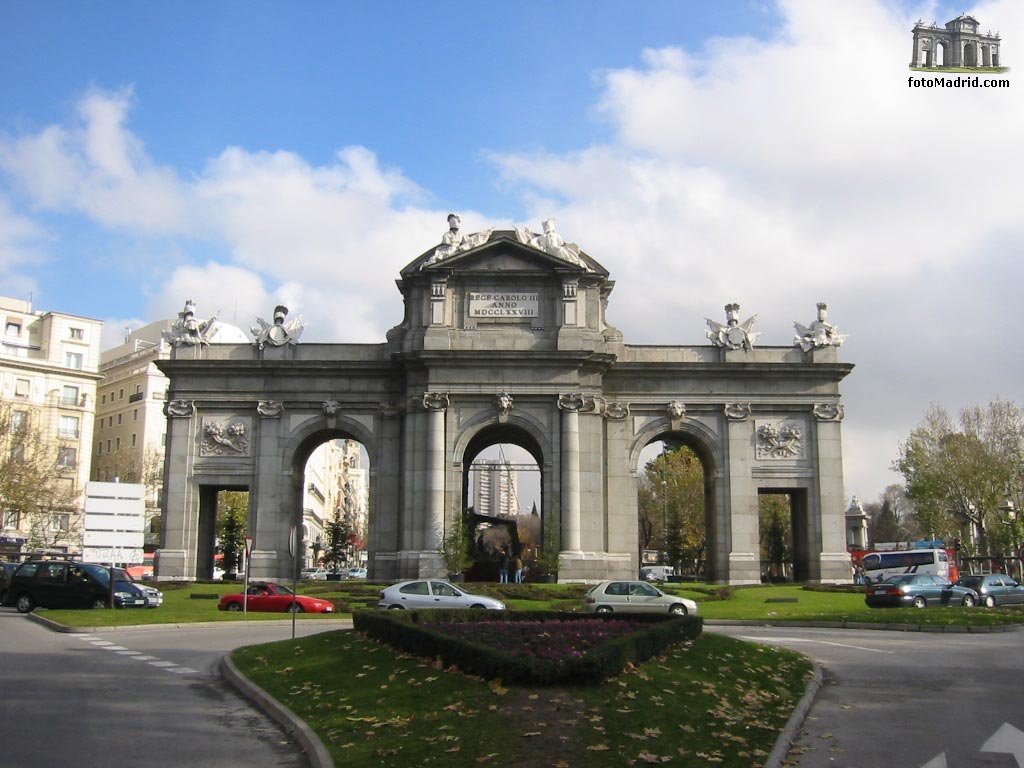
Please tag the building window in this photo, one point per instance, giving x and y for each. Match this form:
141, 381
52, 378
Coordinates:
99, 447
22, 387
67, 457
69, 395
108, 446
73, 360
12, 518
12, 327
119, 419
68, 427
138, 389
60, 522
135, 415
103, 400
117, 443
77, 333
133, 439
19, 421
18, 452
120, 394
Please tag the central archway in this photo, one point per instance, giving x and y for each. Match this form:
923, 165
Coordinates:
504, 517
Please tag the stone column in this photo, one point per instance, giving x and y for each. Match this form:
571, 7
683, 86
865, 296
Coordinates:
570, 405
744, 552
436, 404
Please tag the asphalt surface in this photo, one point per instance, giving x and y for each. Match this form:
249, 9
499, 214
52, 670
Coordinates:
144, 698
894, 699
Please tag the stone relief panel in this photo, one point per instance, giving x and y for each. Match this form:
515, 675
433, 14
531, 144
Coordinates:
226, 436
779, 439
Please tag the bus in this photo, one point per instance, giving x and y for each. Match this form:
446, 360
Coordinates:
879, 566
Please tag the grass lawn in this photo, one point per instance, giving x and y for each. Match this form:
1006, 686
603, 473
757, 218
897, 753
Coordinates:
716, 701
179, 607
716, 602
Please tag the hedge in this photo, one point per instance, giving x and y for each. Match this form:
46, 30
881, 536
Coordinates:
414, 632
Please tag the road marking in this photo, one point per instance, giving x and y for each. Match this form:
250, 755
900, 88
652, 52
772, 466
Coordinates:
120, 650
811, 640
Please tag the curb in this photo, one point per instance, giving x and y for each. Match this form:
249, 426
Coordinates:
54, 626
297, 728
785, 740
881, 626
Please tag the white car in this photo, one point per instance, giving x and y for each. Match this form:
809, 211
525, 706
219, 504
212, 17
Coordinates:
635, 597
317, 574
356, 573
433, 593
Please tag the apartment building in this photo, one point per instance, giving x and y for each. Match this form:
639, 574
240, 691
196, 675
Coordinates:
49, 370
131, 428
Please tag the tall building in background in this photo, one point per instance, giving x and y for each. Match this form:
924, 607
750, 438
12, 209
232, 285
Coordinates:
131, 428
334, 482
49, 369
495, 488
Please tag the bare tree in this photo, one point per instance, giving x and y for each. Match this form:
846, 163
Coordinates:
37, 495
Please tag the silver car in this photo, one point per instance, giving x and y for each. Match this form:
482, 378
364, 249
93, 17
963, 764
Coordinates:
433, 593
635, 597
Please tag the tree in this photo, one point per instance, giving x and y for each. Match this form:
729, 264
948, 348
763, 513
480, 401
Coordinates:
232, 518
37, 486
774, 510
962, 475
671, 504
338, 532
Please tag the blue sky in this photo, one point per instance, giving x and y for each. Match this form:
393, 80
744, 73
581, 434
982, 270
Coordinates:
769, 153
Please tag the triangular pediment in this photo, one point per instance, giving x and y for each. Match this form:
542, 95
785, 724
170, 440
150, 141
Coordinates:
501, 253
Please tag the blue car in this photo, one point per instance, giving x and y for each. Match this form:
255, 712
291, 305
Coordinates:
918, 590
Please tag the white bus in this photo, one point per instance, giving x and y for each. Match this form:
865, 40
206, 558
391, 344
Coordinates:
879, 566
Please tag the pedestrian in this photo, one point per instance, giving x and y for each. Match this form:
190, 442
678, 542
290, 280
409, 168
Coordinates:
503, 566
517, 569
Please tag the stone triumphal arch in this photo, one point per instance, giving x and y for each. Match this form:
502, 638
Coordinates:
505, 337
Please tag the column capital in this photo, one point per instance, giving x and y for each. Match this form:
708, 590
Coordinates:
574, 402
436, 401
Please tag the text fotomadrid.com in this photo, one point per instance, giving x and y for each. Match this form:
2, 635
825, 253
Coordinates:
956, 82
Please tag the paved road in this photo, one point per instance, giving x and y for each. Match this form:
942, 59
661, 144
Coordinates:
908, 699
133, 698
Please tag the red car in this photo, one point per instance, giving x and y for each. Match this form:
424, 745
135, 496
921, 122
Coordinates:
274, 597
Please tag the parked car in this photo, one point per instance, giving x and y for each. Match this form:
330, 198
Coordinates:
918, 590
317, 574
68, 584
356, 573
274, 598
657, 572
6, 571
635, 597
994, 589
433, 593
154, 597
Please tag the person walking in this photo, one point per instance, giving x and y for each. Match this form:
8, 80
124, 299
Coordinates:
503, 566
517, 569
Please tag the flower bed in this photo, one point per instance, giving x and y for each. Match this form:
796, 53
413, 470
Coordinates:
529, 647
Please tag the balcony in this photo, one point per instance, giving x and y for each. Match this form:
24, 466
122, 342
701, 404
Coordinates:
68, 434
136, 397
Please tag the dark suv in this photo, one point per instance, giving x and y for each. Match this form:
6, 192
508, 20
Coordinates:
6, 571
67, 584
